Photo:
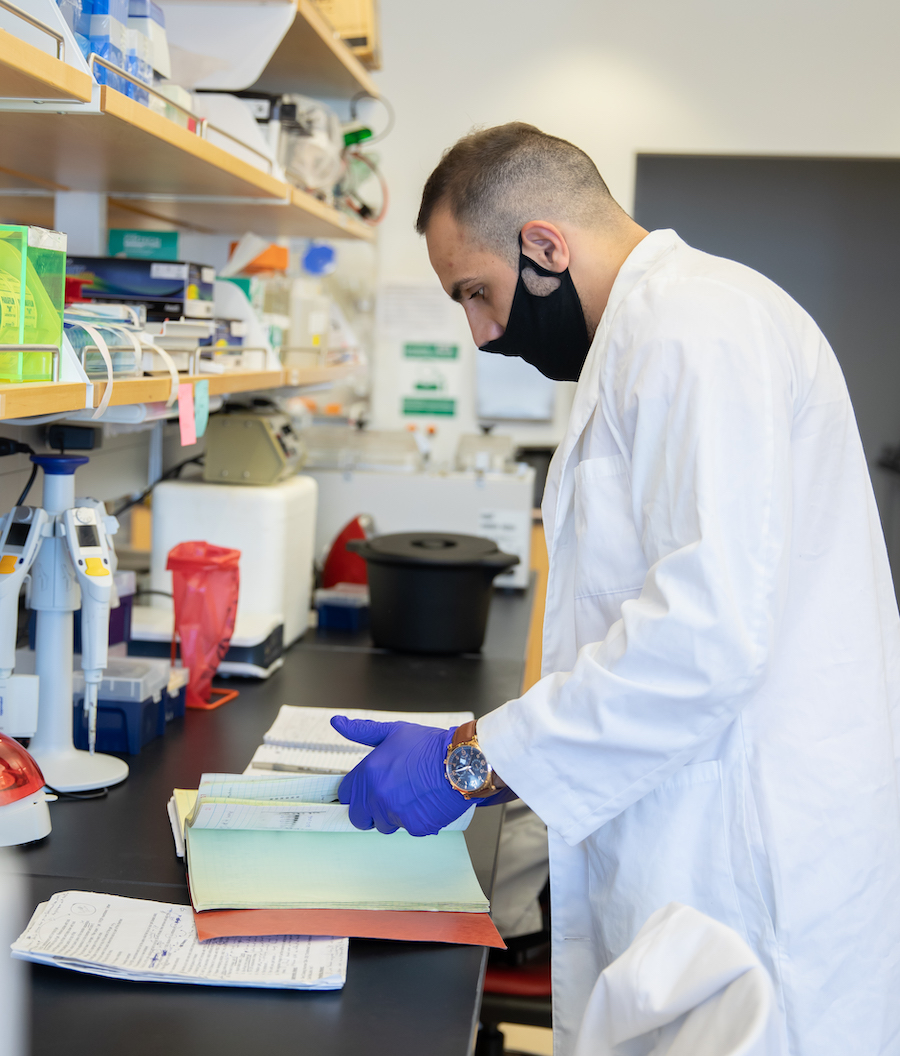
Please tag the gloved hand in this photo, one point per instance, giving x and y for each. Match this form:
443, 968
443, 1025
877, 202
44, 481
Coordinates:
402, 781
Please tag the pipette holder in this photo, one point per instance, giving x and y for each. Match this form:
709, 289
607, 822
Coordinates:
55, 595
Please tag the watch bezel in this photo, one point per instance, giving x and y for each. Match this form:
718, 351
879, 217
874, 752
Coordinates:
474, 746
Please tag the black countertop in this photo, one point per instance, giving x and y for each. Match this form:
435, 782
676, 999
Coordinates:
399, 997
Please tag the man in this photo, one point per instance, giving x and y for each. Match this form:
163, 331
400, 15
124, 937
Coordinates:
716, 721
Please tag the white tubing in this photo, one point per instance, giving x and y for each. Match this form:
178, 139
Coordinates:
170, 366
102, 348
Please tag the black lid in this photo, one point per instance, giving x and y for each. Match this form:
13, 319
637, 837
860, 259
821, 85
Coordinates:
433, 548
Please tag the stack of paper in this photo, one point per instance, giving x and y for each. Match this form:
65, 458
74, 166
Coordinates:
128, 938
256, 843
287, 803
303, 739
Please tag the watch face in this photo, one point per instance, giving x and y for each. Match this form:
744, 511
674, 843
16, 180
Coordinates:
467, 768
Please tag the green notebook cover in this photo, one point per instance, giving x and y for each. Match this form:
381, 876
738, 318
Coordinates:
253, 869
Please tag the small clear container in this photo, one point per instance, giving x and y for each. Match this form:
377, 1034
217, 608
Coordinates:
486, 453
344, 447
32, 292
127, 678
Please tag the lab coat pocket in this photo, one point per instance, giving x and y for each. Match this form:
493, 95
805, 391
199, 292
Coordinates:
670, 846
609, 558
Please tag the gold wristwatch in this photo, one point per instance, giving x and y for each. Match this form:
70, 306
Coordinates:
467, 768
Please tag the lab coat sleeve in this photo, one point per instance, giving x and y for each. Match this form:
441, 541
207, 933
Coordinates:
696, 387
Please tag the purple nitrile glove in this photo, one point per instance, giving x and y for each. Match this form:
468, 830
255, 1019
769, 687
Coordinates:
402, 781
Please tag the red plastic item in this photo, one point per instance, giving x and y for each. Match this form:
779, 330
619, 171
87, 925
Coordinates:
530, 980
205, 583
20, 776
342, 565
73, 293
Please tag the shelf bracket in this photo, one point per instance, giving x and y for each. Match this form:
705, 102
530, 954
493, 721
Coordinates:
204, 199
58, 106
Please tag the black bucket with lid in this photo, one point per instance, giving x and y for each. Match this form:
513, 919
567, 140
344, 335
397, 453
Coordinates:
430, 591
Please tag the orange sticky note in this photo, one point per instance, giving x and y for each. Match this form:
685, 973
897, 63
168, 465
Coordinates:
186, 423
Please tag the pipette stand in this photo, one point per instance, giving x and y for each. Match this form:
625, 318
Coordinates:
55, 596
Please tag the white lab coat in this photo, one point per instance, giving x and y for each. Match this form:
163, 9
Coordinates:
687, 986
716, 721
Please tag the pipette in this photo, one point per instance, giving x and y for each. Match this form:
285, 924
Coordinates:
19, 544
89, 550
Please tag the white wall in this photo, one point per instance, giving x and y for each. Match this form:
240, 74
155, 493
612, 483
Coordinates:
768, 77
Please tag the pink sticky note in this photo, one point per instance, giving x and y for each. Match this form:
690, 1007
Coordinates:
186, 414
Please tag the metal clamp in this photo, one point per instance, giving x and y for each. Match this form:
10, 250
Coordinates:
38, 24
95, 60
54, 373
204, 127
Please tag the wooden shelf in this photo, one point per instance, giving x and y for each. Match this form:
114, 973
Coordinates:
49, 397
128, 149
302, 217
313, 60
26, 72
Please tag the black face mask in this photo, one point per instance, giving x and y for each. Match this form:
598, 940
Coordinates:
546, 329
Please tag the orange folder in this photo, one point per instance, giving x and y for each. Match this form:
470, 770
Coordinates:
469, 929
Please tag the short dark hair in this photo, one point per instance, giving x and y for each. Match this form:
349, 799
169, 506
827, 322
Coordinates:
495, 180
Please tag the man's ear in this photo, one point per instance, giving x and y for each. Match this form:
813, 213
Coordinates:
544, 243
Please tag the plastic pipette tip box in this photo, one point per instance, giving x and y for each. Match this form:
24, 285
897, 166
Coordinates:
342, 608
123, 726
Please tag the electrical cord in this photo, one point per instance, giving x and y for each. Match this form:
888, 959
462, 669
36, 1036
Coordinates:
361, 208
392, 117
175, 471
21, 499
94, 793
16, 447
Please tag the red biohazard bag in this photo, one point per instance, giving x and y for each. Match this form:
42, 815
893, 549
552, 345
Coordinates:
205, 582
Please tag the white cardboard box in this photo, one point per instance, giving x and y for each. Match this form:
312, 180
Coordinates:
273, 526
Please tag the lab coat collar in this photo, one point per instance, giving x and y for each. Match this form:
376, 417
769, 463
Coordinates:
636, 265
647, 253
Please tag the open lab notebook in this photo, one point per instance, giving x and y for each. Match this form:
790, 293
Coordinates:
284, 843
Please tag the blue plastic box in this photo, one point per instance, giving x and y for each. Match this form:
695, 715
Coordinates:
122, 725
132, 709
175, 696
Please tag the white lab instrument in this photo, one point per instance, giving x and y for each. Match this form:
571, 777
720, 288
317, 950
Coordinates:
272, 525
494, 505
55, 595
19, 545
20, 540
254, 651
251, 447
88, 548
24, 816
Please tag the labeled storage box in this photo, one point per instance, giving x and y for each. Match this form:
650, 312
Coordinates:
357, 23
32, 290
167, 288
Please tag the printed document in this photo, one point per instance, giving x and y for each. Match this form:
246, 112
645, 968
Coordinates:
133, 939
